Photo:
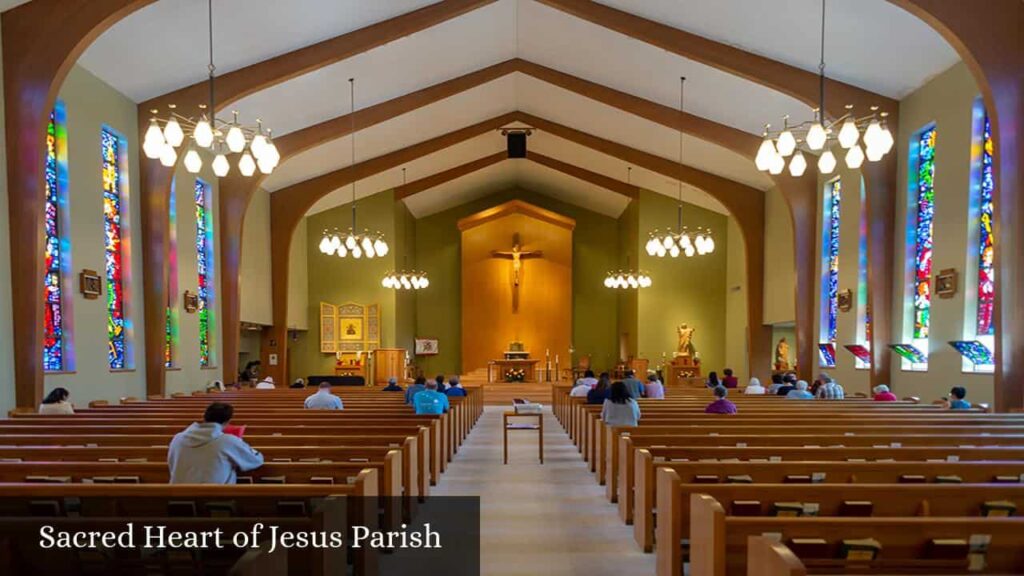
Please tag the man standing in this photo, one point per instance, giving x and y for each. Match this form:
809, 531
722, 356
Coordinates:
204, 454
430, 401
323, 399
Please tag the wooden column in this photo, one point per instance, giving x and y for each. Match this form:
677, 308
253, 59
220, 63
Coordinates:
880, 203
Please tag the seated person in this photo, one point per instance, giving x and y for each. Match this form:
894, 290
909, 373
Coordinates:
204, 454
799, 392
635, 386
266, 384
430, 401
598, 394
788, 384
713, 381
56, 402
580, 390
455, 387
721, 405
620, 409
956, 399
882, 394
588, 379
654, 388
829, 389
323, 399
440, 383
776, 384
392, 385
298, 384
417, 386
728, 380
754, 387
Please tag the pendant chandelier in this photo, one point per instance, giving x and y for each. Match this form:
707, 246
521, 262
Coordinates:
817, 135
219, 137
403, 280
627, 279
352, 243
680, 241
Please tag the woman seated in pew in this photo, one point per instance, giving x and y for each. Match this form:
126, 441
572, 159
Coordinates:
956, 400
654, 388
713, 381
721, 405
788, 384
56, 402
266, 384
204, 454
455, 387
581, 389
323, 399
776, 384
620, 409
799, 392
728, 380
882, 394
392, 385
754, 387
600, 392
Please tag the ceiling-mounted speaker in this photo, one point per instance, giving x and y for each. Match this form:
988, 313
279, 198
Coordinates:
516, 144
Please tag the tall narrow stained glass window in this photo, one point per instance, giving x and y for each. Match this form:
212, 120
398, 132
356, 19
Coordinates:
171, 321
56, 344
863, 302
830, 262
923, 229
204, 267
114, 209
986, 250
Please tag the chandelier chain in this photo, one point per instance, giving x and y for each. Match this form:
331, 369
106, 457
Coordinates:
821, 69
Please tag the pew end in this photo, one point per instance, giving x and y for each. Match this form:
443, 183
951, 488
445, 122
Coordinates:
767, 557
260, 562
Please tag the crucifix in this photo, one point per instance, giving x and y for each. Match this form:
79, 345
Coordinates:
516, 255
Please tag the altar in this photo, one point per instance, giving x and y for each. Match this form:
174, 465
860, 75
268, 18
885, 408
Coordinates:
497, 369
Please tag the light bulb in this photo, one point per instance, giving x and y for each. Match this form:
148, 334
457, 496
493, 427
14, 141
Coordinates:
335, 243
235, 139
168, 157
668, 241
674, 251
369, 252
786, 144
873, 134
220, 166
246, 165
273, 156
366, 243
386, 282
415, 281
855, 157
633, 282
661, 251
689, 251
405, 282
651, 247
886, 140
381, 247
797, 165
848, 134
325, 245
875, 153
258, 145
424, 282
193, 161
777, 166
816, 137
153, 143
765, 154
342, 251
350, 241
264, 165
827, 162
173, 132
685, 240
709, 244
357, 253
645, 281
608, 282
203, 133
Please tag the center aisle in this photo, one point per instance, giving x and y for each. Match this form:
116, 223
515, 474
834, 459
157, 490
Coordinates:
540, 519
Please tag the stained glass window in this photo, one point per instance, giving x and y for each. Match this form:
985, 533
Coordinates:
171, 321
986, 251
863, 304
55, 343
925, 206
113, 216
830, 263
204, 266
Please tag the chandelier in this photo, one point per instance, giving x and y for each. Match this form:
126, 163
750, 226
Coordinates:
680, 241
219, 137
815, 135
627, 279
353, 243
405, 280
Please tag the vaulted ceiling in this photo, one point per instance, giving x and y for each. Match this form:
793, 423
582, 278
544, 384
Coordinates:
163, 47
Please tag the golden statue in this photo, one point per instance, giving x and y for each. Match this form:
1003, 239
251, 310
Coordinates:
686, 348
782, 355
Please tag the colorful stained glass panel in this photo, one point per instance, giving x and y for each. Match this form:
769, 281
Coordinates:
113, 253
923, 232
830, 289
53, 316
204, 266
986, 249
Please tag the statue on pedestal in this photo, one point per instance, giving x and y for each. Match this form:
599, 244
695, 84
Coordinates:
686, 348
782, 355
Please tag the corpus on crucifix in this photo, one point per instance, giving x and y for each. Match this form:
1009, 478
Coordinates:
517, 255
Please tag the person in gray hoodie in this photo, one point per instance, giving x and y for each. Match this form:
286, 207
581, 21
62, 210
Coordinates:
204, 454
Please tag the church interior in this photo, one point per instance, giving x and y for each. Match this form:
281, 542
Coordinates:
568, 212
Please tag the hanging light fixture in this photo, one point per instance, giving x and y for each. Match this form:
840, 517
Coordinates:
681, 241
353, 243
403, 280
817, 135
627, 279
254, 147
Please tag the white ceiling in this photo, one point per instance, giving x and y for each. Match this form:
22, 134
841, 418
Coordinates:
6, 5
163, 47
869, 43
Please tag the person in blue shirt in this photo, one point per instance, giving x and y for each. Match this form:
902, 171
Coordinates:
799, 392
392, 386
454, 387
430, 401
418, 386
323, 399
956, 400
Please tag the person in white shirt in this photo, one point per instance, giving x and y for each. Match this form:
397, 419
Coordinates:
56, 402
580, 389
588, 379
323, 399
654, 388
266, 384
754, 387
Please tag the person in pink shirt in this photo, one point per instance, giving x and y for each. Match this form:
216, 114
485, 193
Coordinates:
882, 394
721, 405
654, 388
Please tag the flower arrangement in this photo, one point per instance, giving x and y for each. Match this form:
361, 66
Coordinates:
515, 375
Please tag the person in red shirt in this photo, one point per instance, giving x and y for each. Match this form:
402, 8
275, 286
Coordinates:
721, 405
728, 380
882, 394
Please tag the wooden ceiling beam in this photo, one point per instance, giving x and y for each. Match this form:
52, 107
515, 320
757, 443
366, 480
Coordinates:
580, 173
416, 186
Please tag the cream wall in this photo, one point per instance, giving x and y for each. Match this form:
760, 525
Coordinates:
948, 101
254, 269
6, 321
298, 279
780, 272
736, 341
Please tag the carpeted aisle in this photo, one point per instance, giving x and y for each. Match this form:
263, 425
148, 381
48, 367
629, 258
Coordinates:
540, 519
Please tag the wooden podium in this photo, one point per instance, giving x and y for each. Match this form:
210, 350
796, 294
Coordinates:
388, 363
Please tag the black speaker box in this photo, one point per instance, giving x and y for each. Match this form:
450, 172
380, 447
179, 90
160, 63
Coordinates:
517, 145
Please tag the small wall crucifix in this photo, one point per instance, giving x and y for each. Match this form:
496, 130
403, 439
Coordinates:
517, 255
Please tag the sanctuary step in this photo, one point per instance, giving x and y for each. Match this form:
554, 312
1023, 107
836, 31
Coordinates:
502, 393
